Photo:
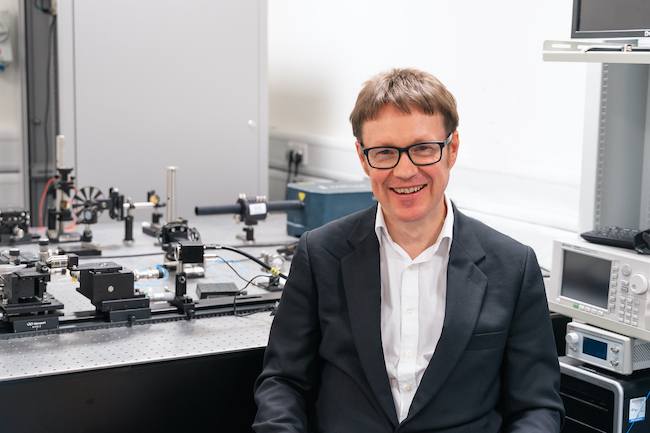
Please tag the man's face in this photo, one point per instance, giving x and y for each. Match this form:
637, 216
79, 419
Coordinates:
409, 193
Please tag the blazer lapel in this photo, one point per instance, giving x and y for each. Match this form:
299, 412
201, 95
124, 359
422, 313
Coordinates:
466, 286
362, 285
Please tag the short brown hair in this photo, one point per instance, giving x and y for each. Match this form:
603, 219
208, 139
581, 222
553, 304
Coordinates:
406, 89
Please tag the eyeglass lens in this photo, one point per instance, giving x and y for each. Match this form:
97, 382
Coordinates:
386, 157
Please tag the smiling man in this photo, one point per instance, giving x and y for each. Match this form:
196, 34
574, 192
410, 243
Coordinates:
410, 316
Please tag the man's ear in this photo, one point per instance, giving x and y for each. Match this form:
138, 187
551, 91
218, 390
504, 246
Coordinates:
452, 149
362, 159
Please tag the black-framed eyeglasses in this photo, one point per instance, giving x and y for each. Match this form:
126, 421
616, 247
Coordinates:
426, 153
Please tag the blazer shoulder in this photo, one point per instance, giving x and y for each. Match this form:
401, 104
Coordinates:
338, 232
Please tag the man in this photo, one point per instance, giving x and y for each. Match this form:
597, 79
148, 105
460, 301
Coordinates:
410, 316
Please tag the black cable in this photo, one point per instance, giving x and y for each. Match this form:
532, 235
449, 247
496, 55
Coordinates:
227, 262
257, 310
261, 245
248, 283
255, 259
251, 312
290, 158
298, 160
162, 252
545, 272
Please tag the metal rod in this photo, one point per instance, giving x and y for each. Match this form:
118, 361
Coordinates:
140, 205
60, 151
272, 206
171, 194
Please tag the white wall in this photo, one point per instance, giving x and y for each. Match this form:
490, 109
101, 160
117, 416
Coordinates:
521, 119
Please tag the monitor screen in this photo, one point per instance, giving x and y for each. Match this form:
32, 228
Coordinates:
604, 19
586, 279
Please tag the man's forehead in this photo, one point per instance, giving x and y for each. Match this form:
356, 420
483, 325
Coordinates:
391, 118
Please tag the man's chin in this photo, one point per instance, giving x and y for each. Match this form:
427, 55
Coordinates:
409, 216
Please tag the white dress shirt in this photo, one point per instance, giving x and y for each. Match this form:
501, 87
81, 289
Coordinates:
413, 296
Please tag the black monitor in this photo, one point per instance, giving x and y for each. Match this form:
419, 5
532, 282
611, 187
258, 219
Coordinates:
611, 19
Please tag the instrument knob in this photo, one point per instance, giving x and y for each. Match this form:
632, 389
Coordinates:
626, 270
639, 284
572, 338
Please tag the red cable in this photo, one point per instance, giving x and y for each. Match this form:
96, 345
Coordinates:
40, 208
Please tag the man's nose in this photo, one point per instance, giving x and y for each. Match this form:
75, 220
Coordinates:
405, 168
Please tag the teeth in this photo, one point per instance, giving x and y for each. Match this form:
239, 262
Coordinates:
408, 190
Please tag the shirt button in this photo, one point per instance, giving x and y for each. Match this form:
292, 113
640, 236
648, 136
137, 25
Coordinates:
409, 310
408, 388
411, 267
408, 353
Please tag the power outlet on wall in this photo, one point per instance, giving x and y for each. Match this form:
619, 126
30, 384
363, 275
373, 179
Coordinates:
301, 148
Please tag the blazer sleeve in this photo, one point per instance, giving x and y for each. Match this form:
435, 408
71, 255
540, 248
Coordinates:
286, 388
531, 374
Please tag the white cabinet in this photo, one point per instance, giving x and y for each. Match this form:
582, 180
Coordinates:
145, 85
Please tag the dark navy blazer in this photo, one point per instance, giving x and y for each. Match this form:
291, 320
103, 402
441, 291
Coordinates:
495, 367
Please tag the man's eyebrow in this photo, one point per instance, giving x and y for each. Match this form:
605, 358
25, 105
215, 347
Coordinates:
366, 146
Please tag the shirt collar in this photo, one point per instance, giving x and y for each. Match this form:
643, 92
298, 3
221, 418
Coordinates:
447, 231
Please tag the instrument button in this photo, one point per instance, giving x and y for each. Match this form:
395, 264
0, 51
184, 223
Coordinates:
626, 270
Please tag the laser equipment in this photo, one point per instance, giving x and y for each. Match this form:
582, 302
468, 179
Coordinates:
308, 205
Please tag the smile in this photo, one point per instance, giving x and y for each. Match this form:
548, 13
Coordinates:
408, 190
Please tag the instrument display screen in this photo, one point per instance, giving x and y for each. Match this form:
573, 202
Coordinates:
594, 348
586, 279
